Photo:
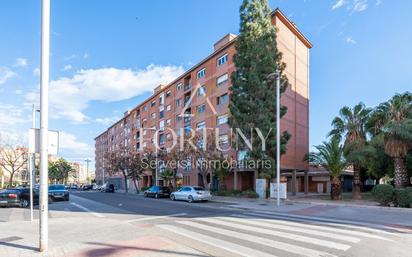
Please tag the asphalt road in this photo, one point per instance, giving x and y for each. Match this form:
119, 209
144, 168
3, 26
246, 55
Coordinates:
104, 224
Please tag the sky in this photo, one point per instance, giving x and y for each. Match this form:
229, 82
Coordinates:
108, 55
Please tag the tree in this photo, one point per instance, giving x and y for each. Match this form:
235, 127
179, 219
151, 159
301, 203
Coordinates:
60, 170
350, 125
168, 176
136, 167
119, 162
330, 155
222, 170
205, 155
393, 119
253, 91
13, 159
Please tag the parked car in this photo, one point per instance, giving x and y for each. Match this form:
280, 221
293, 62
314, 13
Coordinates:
58, 192
191, 194
18, 197
108, 188
86, 187
157, 192
74, 187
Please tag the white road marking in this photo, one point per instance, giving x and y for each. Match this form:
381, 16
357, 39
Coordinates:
321, 226
155, 217
339, 223
294, 237
222, 244
301, 251
312, 231
87, 210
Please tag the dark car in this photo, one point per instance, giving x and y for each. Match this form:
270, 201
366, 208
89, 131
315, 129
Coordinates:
18, 197
58, 192
86, 187
157, 192
74, 187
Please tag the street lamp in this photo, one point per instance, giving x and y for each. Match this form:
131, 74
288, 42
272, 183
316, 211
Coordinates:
32, 164
276, 75
44, 120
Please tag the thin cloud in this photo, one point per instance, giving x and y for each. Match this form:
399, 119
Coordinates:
69, 97
36, 72
350, 40
20, 62
339, 4
69, 142
359, 5
85, 55
6, 74
106, 121
67, 67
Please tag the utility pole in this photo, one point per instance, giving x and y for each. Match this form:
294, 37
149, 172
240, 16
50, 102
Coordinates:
44, 120
87, 169
278, 137
270, 77
32, 164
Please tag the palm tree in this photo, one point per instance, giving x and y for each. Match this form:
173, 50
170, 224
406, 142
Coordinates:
330, 155
168, 176
393, 119
350, 125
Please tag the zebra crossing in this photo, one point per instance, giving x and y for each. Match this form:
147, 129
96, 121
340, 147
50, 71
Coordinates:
259, 234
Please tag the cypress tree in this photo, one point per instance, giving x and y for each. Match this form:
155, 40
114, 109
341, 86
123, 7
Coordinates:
253, 90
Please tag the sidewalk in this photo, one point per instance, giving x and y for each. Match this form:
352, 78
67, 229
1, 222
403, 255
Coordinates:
345, 211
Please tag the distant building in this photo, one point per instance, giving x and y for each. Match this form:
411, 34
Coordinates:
80, 174
210, 80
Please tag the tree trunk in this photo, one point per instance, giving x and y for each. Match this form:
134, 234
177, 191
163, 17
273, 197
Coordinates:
336, 190
204, 179
401, 175
356, 185
136, 186
11, 179
125, 184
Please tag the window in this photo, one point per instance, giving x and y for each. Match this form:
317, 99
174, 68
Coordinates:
153, 103
161, 114
222, 60
168, 136
201, 90
153, 115
201, 108
222, 79
168, 122
187, 86
178, 117
223, 139
201, 73
145, 108
162, 125
179, 102
201, 125
169, 93
168, 108
161, 99
222, 99
179, 87
222, 119
188, 128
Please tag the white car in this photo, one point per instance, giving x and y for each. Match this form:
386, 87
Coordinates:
191, 194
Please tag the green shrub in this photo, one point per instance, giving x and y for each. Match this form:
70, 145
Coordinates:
250, 194
403, 197
144, 189
383, 194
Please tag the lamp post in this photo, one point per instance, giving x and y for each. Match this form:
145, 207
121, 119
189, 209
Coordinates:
44, 119
32, 164
276, 75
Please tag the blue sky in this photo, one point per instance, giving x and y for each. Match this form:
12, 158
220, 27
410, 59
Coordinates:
106, 57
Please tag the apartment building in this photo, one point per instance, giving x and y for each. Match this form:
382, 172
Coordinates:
203, 92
